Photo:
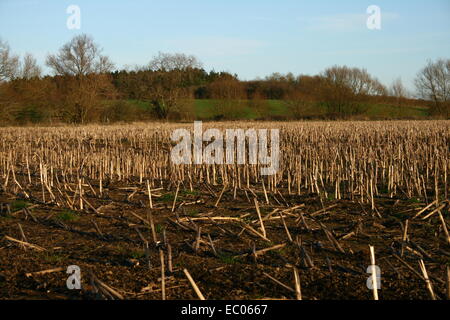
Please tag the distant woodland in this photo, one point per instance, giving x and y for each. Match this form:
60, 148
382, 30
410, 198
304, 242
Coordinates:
84, 86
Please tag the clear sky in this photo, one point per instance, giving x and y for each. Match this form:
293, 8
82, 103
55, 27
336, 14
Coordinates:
252, 38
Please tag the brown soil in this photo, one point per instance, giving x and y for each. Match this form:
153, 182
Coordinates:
107, 244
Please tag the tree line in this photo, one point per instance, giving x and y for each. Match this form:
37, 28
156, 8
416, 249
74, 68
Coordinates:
84, 87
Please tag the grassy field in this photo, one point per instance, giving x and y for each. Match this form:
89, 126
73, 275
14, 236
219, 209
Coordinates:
209, 109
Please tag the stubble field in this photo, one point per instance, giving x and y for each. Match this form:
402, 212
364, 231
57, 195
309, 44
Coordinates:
109, 200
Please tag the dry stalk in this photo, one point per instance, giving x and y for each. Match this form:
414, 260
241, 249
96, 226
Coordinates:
263, 229
298, 292
27, 244
374, 273
163, 275
194, 285
427, 280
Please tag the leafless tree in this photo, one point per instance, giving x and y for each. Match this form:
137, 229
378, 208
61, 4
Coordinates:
176, 61
398, 91
359, 81
433, 83
9, 63
84, 100
79, 57
84, 71
346, 89
12, 69
30, 68
166, 92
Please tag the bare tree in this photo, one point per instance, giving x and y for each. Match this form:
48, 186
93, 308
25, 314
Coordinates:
79, 57
359, 81
346, 89
84, 70
30, 68
433, 83
84, 100
21, 97
176, 61
166, 92
9, 63
398, 91
12, 68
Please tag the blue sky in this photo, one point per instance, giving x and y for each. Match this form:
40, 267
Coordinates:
247, 37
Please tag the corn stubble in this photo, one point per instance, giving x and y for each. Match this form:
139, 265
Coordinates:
359, 162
